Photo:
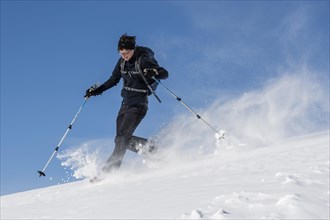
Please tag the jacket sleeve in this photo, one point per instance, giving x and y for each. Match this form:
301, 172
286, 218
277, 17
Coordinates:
146, 63
113, 80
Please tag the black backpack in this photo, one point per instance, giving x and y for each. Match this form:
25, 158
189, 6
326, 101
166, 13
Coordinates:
144, 51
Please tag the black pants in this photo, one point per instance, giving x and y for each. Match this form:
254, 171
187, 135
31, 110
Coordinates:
127, 121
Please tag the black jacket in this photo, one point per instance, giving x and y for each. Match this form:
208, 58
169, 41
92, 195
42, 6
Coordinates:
133, 84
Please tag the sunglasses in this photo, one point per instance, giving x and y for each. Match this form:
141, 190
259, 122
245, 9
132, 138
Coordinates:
126, 52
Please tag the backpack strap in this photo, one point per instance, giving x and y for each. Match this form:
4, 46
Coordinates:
122, 65
122, 68
138, 64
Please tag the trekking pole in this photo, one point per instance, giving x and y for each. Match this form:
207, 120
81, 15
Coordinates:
218, 135
42, 172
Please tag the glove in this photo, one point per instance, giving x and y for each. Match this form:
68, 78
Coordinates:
149, 73
93, 91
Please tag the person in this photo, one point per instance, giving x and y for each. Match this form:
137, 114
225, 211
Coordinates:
136, 67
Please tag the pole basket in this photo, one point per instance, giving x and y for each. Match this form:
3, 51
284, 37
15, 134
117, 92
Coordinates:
41, 173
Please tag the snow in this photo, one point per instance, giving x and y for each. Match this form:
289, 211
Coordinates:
288, 180
272, 164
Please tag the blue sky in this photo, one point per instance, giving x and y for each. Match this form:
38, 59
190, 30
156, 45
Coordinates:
52, 51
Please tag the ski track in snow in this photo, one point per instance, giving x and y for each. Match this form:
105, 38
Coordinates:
289, 180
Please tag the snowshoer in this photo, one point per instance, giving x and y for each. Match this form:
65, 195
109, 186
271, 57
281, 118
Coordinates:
137, 66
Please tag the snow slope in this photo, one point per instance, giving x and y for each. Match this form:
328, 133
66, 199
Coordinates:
287, 180
273, 164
